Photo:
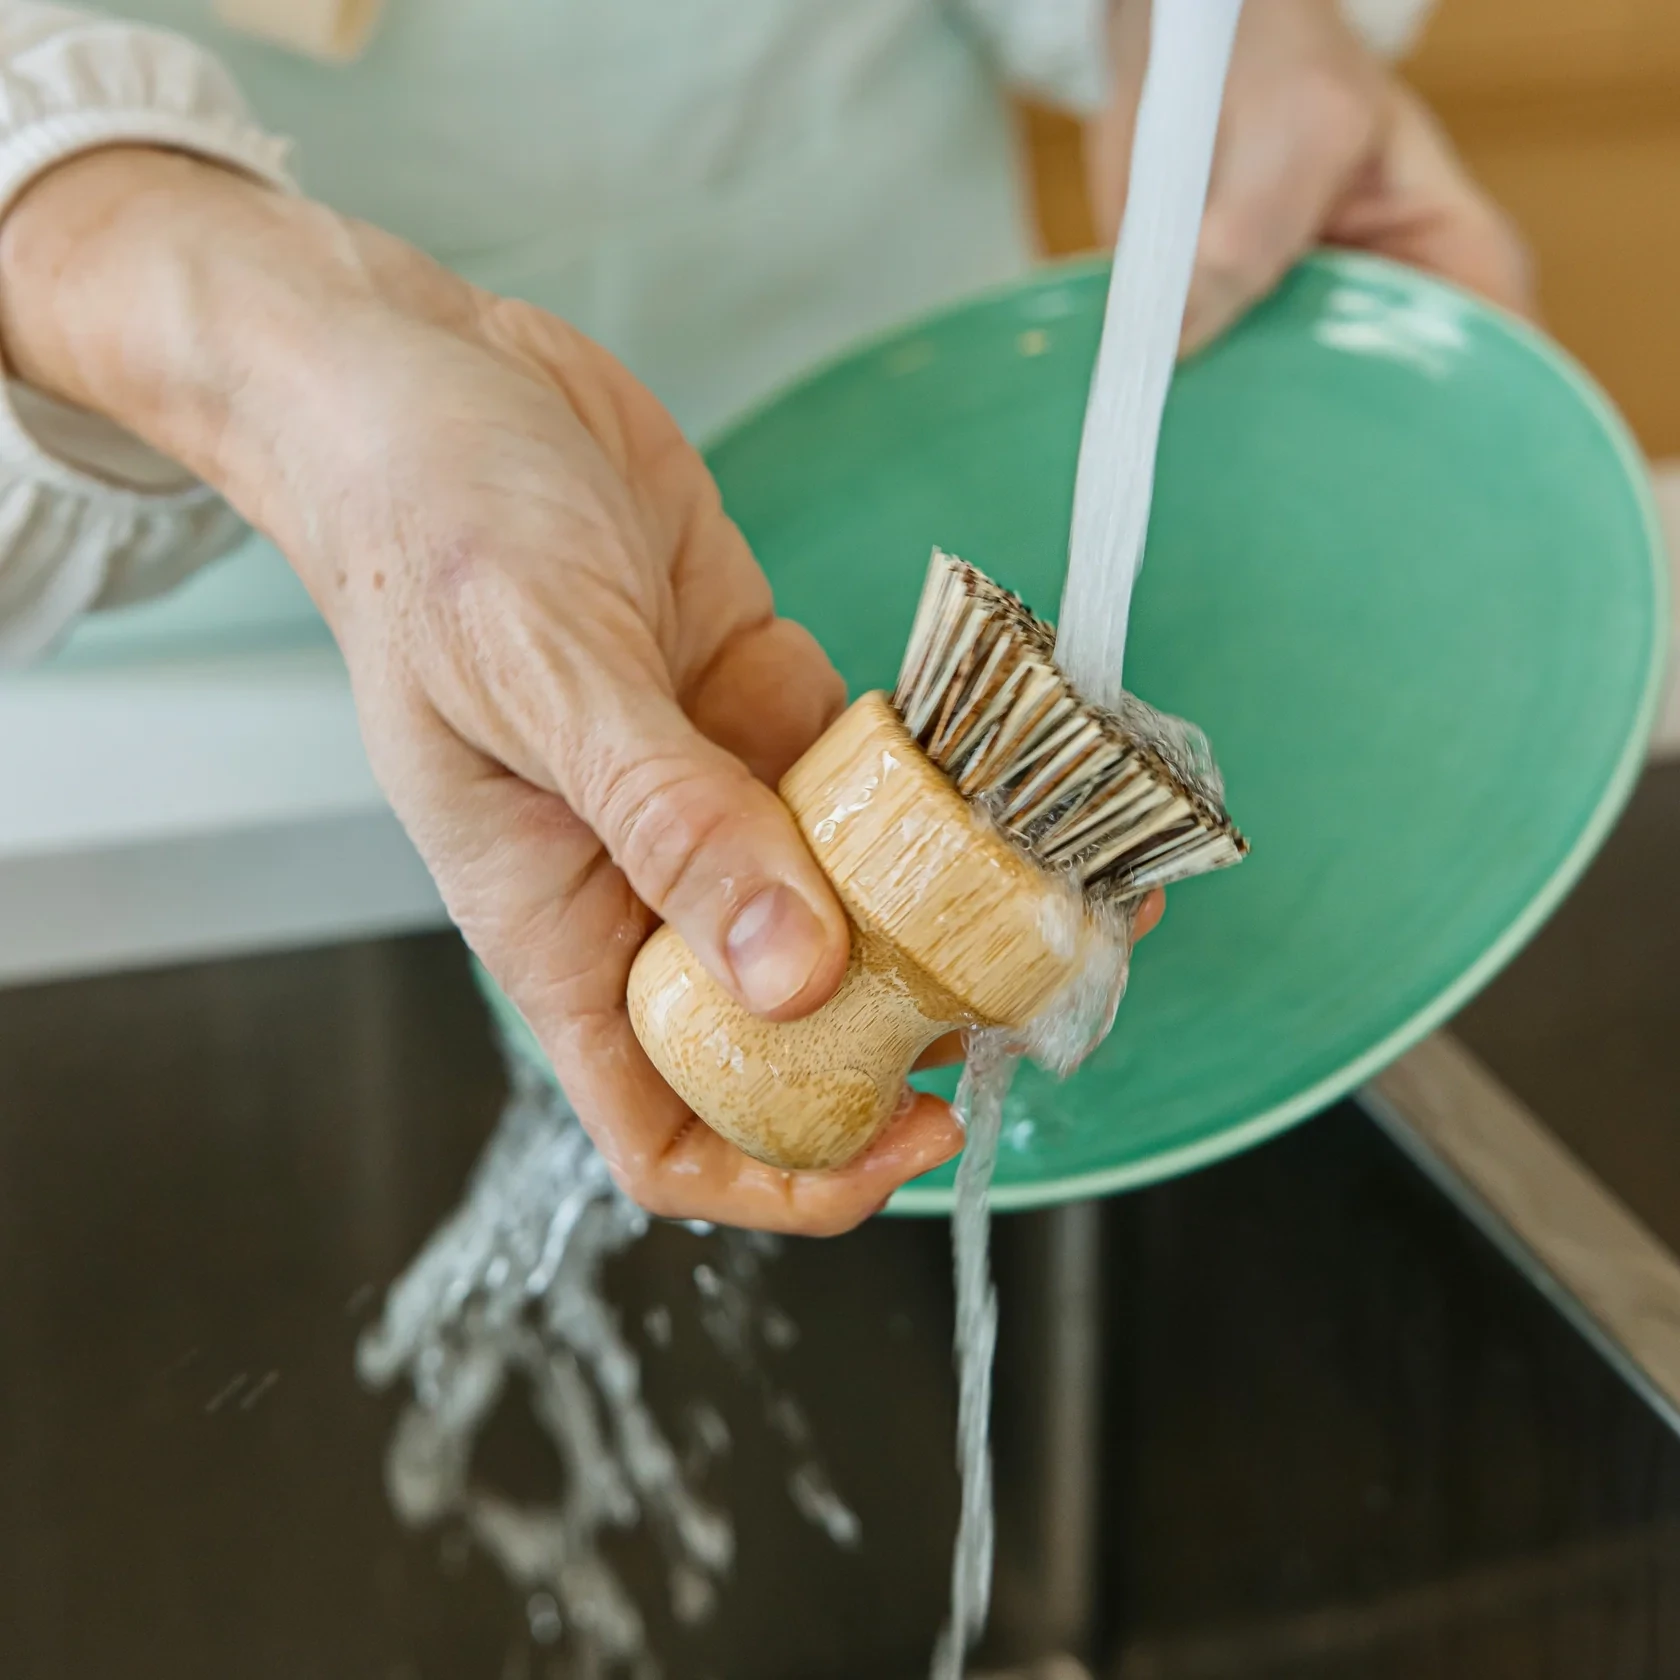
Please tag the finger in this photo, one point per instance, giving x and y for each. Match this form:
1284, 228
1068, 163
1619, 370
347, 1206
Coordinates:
1420, 206
1286, 154
592, 717
700, 1171
1149, 914
711, 850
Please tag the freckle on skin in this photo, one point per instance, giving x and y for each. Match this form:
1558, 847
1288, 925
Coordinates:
378, 580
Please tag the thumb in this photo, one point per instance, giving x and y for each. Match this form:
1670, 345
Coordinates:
711, 850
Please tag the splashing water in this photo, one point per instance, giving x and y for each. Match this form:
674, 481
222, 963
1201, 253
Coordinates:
509, 1289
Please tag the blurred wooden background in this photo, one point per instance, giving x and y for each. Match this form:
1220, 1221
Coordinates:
1569, 112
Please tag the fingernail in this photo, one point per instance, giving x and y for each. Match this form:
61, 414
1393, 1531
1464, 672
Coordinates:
775, 944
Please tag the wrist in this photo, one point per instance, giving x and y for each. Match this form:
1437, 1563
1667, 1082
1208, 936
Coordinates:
201, 310
109, 283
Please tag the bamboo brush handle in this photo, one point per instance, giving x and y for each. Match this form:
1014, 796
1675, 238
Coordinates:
798, 1094
951, 926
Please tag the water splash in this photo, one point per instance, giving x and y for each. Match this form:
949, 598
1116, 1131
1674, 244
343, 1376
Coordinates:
509, 1290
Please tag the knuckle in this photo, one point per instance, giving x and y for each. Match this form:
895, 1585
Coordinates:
635, 1177
662, 822
459, 602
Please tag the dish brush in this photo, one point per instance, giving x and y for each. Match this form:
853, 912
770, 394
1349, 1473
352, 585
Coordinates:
987, 830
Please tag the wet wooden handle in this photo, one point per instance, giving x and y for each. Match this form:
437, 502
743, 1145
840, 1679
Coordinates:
951, 926
801, 1095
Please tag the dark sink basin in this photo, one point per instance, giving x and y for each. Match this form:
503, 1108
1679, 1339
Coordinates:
1288, 1417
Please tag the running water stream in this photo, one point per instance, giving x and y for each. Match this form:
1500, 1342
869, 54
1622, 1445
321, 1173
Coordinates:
1172, 158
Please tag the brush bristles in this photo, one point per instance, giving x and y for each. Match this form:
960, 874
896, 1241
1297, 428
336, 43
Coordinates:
980, 692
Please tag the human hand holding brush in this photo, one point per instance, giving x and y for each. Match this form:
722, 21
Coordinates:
569, 672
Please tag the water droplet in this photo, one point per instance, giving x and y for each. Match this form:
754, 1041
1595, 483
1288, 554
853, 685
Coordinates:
269, 1379
710, 1432
224, 1394
788, 1420
693, 1597
544, 1616
816, 1501
779, 1330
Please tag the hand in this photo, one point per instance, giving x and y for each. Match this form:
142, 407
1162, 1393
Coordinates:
569, 673
1318, 144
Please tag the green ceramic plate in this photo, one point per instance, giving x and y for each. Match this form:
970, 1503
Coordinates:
1402, 568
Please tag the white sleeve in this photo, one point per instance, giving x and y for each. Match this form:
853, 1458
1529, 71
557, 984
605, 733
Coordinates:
89, 516
1057, 50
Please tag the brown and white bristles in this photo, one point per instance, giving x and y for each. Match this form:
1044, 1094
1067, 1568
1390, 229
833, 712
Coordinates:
1070, 783
958, 924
